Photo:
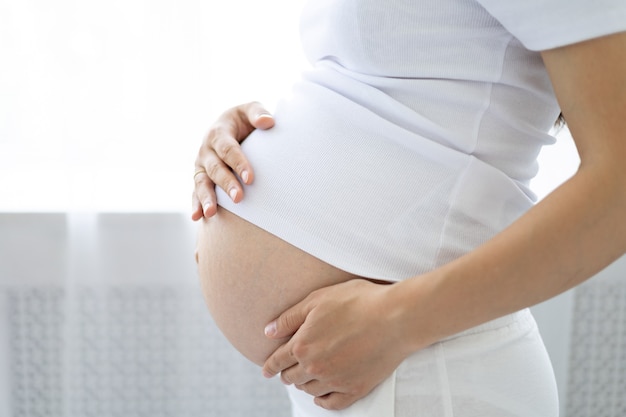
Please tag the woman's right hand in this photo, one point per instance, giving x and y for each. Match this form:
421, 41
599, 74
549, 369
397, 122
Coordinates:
220, 159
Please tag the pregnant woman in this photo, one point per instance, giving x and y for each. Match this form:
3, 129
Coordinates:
375, 240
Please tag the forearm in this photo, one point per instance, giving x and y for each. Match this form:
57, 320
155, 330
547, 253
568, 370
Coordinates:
567, 238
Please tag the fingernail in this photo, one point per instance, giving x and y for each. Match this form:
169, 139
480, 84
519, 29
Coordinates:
245, 176
206, 207
233, 193
270, 329
267, 374
261, 115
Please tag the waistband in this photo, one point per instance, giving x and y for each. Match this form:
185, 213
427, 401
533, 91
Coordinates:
523, 318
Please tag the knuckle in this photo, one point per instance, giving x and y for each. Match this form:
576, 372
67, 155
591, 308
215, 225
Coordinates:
298, 350
273, 365
213, 169
269, 369
315, 295
228, 150
270, 365
284, 376
200, 179
314, 369
290, 322
216, 134
210, 138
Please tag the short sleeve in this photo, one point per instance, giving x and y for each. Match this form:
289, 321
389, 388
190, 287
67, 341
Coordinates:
546, 24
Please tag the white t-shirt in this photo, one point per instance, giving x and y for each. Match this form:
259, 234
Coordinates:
414, 136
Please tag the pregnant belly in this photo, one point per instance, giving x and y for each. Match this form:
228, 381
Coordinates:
250, 276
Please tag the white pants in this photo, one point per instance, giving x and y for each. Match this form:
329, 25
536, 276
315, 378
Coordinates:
498, 369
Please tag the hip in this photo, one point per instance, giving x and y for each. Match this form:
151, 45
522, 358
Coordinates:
499, 369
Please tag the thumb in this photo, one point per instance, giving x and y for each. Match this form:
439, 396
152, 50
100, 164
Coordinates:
288, 322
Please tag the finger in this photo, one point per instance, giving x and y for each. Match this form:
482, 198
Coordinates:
314, 388
335, 401
295, 375
203, 196
233, 127
289, 321
281, 359
196, 208
224, 145
217, 173
258, 116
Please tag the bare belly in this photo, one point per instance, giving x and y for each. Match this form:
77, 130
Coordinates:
250, 276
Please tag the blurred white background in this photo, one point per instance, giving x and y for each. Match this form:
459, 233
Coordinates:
104, 104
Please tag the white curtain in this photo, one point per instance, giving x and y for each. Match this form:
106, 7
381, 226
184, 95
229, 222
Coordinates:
102, 315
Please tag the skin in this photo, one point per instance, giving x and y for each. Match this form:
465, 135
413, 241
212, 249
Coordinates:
244, 295
220, 152
564, 240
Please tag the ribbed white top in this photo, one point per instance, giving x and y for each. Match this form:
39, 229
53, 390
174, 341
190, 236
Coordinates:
414, 136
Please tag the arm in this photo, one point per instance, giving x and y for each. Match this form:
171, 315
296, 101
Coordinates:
578, 229
565, 239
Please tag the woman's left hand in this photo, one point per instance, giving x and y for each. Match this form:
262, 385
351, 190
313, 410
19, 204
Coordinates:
346, 340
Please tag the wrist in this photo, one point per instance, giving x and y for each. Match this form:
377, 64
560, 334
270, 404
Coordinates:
411, 308
430, 307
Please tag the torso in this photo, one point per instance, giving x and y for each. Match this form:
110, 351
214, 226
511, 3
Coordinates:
413, 114
381, 162
249, 277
